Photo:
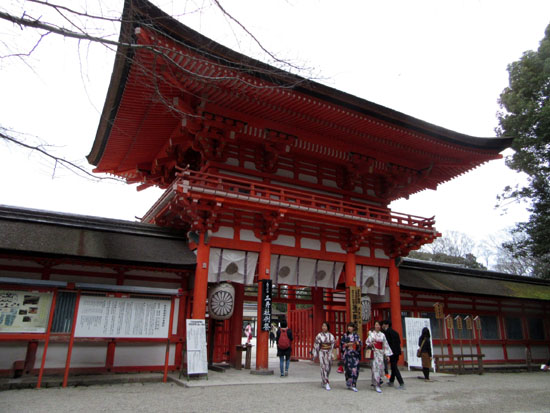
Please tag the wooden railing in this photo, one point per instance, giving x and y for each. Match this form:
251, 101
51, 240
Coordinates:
240, 189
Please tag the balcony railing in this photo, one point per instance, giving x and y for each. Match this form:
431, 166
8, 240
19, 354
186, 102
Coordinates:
243, 191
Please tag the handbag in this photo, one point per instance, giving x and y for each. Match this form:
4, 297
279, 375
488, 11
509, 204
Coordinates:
418, 352
335, 354
368, 353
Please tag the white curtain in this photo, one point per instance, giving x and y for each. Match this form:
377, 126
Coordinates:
372, 280
305, 272
232, 265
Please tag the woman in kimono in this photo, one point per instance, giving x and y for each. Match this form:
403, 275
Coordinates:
248, 332
323, 346
381, 349
350, 346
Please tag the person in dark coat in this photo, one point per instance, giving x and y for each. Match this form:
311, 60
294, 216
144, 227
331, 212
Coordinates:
394, 341
284, 348
425, 352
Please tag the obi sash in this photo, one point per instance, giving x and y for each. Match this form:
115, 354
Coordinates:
325, 346
378, 345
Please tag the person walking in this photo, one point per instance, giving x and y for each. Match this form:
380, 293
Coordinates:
425, 352
394, 341
272, 335
323, 346
248, 332
284, 347
350, 346
378, 343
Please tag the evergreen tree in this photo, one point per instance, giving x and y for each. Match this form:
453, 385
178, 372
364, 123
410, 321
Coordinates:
526, 118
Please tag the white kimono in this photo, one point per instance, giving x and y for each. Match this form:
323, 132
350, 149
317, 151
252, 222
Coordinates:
377, 365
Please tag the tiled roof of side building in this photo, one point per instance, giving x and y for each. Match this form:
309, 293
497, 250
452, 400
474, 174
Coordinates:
31, 231
449, 278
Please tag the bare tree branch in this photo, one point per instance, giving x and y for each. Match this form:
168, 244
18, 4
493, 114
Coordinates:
60, 7
253, 37
71, 166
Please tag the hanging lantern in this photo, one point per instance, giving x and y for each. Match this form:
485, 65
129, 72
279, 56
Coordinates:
366, 312
221, 301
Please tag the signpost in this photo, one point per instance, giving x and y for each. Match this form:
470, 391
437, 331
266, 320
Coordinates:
459, 327
469, 326
355, 309
438, 309
267, 292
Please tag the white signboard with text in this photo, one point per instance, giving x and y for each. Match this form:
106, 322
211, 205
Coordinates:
122, 317
414, 328
197, 362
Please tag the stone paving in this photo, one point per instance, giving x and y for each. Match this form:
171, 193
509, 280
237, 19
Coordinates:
301, 391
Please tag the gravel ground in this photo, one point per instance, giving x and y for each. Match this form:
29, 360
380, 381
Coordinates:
502, 392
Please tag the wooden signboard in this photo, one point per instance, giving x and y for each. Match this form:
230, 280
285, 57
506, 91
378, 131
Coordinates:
355, 308
266, 304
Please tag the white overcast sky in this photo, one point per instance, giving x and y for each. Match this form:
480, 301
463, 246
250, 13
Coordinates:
441, 61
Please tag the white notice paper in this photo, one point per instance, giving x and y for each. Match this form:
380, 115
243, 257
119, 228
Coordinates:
414, 328
122, 317
197, 362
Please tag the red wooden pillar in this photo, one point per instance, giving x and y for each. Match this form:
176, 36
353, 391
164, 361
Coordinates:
262, 337
350, 280
182, 316
291, 294
110, 359
30, 357
395, 298
236, 331
318, 309
201, 279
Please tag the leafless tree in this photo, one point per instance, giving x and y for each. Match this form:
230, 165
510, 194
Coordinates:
453, 243
84, 25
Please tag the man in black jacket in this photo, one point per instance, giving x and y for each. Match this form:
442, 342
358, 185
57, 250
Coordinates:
395, 344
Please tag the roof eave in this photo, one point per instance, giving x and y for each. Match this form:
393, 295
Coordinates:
136, 11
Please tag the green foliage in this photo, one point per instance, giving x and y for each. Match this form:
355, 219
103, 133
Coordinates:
526, 118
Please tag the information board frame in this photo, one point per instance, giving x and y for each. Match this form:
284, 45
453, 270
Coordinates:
413, 327
196, 350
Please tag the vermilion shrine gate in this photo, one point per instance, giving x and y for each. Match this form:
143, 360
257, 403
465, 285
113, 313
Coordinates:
282, 178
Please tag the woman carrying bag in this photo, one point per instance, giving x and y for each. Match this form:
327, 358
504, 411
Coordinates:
425, 352
323, 348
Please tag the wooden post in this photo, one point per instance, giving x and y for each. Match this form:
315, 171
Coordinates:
318, 309
71, 342
262, 337
350, 281
48, 332
169, 339
201, 279
469, 326
395, 298
459, 327
110, 358
439, 315
236, 333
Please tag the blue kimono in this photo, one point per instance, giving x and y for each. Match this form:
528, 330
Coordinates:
352, 356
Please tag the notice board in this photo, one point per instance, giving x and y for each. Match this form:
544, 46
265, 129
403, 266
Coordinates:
197, 362
24, 311
414, 327
100, 316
